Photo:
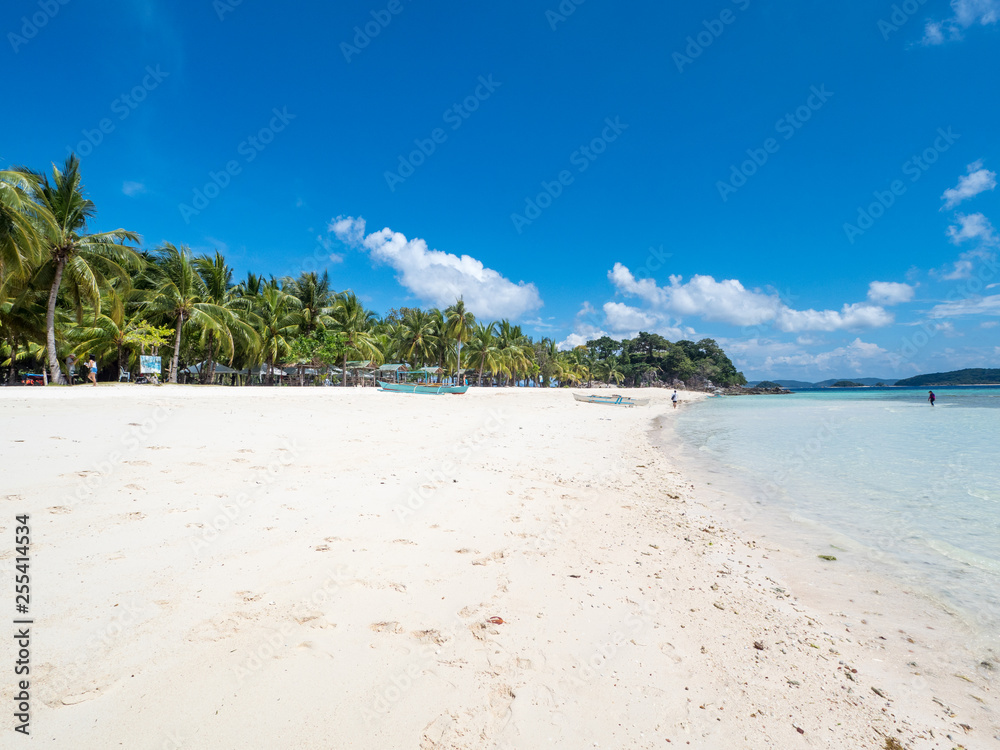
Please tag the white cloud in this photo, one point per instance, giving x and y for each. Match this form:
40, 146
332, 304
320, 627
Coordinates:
965, 13
972, 227
989, 305
728, 301
989, 324
963, 267
132, 189
857, 356
440, 278
889, 292
978, 180
621, 317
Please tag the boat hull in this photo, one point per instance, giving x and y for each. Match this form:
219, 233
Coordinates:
612, 400
430, 390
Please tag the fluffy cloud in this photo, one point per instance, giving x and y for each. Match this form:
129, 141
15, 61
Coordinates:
621, 321
972, 227
889, 292
978, 180
440, 278
965, 13
728, 301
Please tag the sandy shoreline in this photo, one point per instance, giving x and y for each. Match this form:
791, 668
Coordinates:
317, 568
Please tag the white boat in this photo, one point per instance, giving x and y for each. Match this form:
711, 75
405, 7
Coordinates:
612, 400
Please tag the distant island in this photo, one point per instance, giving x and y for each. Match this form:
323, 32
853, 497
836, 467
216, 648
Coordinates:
831, 383
957, 377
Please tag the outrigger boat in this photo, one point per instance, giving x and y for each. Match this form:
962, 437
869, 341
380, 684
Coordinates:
432, 389
612, 400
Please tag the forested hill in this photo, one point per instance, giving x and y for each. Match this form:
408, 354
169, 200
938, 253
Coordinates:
958, 377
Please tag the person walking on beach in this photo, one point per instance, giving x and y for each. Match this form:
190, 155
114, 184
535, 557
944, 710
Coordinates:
70, 367
932, 398
92, 370
674, 398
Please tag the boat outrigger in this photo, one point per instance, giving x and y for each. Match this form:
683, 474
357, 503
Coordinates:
612, 400
433, 389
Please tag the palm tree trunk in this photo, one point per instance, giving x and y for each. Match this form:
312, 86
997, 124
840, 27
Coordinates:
121, 359
55, 372
12, 372
343, 374
177, 349
211, 358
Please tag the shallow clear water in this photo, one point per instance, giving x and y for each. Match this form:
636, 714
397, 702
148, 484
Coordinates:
913, 487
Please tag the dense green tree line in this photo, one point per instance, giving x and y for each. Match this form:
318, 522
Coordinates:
66, 291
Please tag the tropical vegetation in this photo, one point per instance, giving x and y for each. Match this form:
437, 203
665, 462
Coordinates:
68, 291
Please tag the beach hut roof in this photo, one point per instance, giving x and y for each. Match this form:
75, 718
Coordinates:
360, 364
394, 368
220, 369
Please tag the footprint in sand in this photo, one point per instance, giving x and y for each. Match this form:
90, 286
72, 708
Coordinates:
137, 516
248, 596
244, 450
430, 636
240, 461
323, 548
134, 487
387, 627
137, 463
403, 541
60, 509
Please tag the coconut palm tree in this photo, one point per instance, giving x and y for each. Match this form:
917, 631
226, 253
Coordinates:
317, 299
219, 290
177, 295
459, 326
356, 323
418, 337
22, 219
484, 354
88, 262
276, 316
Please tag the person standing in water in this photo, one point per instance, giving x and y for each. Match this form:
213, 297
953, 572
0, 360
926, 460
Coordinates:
932, 398
674, 399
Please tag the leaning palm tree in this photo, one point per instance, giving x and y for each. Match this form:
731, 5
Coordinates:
356, 323
177, 296
87, 261
459, 325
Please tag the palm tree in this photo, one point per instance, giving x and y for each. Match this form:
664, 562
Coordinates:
418, 338
21, 221
313, 291
459, 325
178, 296
276, 316
356, 323
484, 354
87, 261
219, 290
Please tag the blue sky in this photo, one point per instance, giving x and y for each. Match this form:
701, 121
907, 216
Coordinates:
811, 184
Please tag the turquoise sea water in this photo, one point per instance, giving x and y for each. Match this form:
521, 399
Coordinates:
912, 488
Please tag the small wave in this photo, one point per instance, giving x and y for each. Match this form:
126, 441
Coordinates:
980, 562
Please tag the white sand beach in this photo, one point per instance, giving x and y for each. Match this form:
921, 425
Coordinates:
344, 568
